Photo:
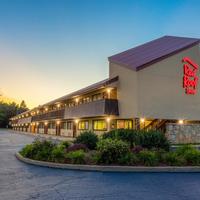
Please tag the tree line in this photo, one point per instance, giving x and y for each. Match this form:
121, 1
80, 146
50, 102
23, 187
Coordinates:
8, 110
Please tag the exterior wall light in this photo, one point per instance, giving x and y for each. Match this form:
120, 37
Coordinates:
180, 121
58, 122
76, 121
46, 109
58, 105
45, 123
108, 90
108, 119
142, 120
76, 100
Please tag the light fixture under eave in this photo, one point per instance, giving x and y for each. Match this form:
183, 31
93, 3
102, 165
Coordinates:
180, 121
76, 121
108, 90
142, 120
108, 119
58, 122
77, 100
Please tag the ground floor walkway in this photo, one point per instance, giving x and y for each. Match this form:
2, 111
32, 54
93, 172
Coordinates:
25, 182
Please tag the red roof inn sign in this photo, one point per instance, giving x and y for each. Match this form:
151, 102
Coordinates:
190, 78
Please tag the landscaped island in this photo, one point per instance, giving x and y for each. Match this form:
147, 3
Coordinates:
117, 147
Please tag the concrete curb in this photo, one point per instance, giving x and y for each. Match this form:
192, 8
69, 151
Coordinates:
100, 168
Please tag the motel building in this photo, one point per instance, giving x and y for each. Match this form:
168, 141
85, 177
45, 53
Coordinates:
154, 86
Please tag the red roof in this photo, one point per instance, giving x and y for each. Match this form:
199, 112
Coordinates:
144, 55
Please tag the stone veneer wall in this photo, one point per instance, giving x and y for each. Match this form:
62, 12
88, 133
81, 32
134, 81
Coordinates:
182, 134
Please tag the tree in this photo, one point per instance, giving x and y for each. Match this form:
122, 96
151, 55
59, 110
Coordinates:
8, 110
22, 107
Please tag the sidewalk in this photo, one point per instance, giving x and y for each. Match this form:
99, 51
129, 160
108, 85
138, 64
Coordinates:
53, 137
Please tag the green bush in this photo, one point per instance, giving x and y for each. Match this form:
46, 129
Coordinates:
130, 136
184, 148
190, 154
66, 144
148, 158
89, 138
129, 159
146, 139
92, 157
154, 139
173, 159
58, 153
39, 150
76, 157
27, 151
192, 157
112, 150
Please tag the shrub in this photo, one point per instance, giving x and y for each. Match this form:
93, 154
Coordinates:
27, 151
43, 150
58, 153
184, 148
39, 150
92, 157
130, 136
76, 157
137, 149
112, 151
146, 139
171, 158
128, 159
161, 155
90, 139
148, 158
66, 144
76, 147
192, 157
154, 139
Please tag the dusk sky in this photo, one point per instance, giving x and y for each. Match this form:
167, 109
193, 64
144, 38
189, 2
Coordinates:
51, 48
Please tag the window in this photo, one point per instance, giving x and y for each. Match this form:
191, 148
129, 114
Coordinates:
52, 125
86, 99
69, 125
83, 125
126, 124
63, 125
96, 97
100, 125
41, 125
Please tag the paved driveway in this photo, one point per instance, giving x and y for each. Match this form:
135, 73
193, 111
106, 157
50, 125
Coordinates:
19, 181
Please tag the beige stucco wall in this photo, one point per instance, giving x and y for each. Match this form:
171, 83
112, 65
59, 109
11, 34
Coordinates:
126, 90
157, 91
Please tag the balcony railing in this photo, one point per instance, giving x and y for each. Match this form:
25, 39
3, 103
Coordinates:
57, 114
92, 109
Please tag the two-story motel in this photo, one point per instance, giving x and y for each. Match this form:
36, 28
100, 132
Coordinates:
150, 86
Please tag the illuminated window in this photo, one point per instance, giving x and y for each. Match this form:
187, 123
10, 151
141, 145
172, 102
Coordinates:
100, 125
126, 124
83, 125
